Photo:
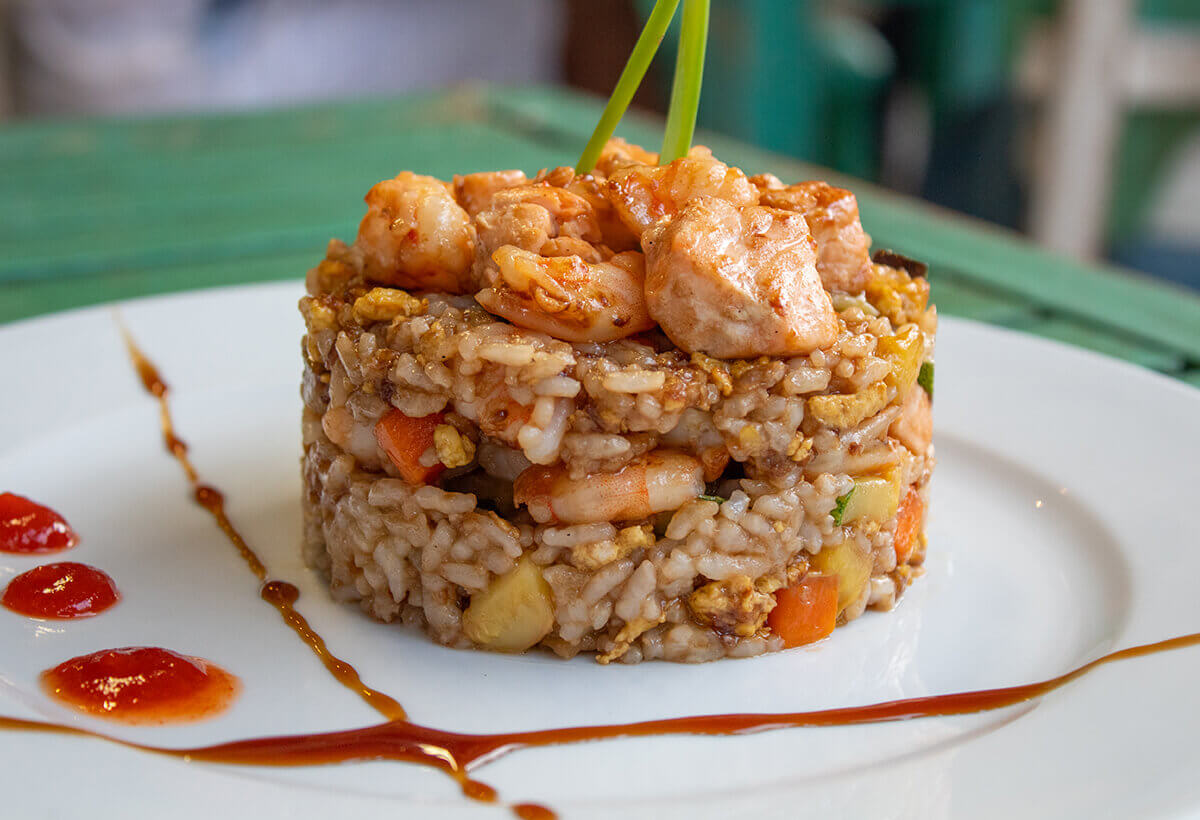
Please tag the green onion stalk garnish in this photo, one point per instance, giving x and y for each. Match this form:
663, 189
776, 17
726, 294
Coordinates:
631, 77
685, 86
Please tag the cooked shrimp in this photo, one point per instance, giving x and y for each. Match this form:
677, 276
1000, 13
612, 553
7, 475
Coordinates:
493, 408
416, 236
843, 258
475, 192
766, 182
617, 153
644, 195
535, 424
613, 232
737, 282
530, 215
659, 481
567, 297
914, 427
357, 439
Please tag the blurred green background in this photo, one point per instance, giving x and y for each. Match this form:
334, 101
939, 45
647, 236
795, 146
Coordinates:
961, 102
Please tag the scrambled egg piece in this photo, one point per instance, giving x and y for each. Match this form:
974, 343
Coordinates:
453, 448
597, 554
385, 304
733, 606
843, 411
717, 370
628, 634
897, 295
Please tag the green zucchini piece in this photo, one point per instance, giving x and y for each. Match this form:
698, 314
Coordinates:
839, 509
925, 378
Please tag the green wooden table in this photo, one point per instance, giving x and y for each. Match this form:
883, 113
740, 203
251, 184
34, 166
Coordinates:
97, 210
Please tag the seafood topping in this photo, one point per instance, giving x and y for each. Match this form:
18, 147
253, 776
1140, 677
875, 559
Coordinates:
737, 282
832, 215
607, 255
415, 236
567, 297
474, 192
645, 194
658, 481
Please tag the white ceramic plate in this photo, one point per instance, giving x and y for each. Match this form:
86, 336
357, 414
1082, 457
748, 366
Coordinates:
1064, 526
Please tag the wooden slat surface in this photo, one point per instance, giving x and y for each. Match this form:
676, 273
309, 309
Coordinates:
97, 210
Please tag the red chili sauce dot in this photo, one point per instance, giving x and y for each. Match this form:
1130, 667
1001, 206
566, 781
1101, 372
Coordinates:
26, 526
142, 685
63, 590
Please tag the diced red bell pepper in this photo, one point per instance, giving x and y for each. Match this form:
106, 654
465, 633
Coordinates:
805, 612
908, 525
405, 439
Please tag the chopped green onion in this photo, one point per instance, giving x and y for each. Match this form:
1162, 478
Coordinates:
631, 77
839, 509
685, 87
715, 498
925, 378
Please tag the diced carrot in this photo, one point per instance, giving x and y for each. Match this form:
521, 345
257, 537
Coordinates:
805, 612
405, 439
908, 525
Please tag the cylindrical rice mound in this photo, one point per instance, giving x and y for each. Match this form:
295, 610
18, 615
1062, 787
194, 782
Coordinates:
786, 446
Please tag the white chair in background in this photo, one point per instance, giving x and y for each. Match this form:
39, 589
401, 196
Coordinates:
1095, 65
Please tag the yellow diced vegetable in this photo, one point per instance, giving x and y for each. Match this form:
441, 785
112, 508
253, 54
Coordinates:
514, 613
872, 499
852, 566
904, 352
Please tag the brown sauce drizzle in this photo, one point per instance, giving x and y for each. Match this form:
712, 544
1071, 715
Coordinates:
211, 499
455, 753
283, 597
532, 811
280, 595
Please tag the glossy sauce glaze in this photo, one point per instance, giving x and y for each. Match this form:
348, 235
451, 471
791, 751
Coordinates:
28, 527
61, 591
142, 685
456, 753
279, 594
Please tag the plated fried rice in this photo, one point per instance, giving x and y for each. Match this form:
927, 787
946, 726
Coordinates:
652, 412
